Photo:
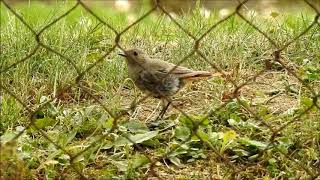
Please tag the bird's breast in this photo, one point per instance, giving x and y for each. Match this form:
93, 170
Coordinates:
159, 86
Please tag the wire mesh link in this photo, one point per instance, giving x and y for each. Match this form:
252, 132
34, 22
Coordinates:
196, 50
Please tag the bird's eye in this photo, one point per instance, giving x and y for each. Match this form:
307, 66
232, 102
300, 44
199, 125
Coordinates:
135, 53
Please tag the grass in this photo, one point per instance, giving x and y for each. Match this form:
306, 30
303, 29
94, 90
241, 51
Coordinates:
75, 120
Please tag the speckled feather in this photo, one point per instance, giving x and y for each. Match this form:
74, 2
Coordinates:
151, 75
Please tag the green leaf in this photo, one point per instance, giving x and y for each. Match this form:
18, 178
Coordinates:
187, 122
249, 142
64, 159
182, 133
310, 76
235, 117
136, 126
108, 124
214, 138
232, 122
306, 101
234, 106
71, 136
283, 148
249, 124
43, 122
121, 165
67, 138
200, 120
107, 145
139, 160
253, 157
122, 141
138, 138
151, 143
263, 111
79, 158
179, 151
176, 161
272, 161
241, 152
203, 136
229, 136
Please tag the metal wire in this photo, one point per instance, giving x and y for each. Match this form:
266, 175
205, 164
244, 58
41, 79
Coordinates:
312, 172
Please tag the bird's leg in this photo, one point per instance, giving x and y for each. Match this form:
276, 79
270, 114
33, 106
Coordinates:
155, 123
165, 105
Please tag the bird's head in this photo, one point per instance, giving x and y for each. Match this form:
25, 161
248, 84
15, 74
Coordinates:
134, 55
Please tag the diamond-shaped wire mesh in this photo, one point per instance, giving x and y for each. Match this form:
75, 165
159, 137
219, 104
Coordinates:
232, 168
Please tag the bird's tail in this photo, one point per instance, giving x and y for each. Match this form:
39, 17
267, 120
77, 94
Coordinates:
196, 75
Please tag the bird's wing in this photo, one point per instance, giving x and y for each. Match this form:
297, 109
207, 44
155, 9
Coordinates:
164, 67
161, 68
179, 70
158, 83
186, 73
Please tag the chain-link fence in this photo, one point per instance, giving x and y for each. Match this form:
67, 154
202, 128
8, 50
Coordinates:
312, 169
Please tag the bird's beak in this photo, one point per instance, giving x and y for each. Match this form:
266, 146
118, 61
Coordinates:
122, 54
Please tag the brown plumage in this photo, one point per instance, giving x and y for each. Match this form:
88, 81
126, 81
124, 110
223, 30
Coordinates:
159, 78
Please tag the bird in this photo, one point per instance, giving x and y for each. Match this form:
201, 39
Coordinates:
159, 78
